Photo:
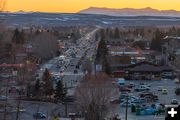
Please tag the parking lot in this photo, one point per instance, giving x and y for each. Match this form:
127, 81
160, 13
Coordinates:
155, 87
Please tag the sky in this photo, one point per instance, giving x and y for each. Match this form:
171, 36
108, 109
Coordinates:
73, 6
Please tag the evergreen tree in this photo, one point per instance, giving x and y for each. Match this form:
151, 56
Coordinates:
116, 33
37, 86
157, 41
48, 84
101, 55
16, 35
102, 49
106, 66
102, 34
60, 91
111, 34
96, 37
22, 37
28, 90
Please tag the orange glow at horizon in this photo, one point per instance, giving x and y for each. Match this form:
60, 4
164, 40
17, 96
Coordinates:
73, 6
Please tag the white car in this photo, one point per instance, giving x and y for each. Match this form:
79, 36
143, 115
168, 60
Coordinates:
3, 98
142, 88
174, 102
176, 80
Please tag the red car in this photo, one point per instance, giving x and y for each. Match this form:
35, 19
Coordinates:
124, 89
129, 85
149, 96
115, 101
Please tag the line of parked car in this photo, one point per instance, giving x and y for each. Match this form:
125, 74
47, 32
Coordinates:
127, 99
142, 91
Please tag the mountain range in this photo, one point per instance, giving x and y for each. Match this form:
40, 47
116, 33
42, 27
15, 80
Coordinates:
130, 12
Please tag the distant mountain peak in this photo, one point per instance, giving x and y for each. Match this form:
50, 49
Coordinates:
148, 11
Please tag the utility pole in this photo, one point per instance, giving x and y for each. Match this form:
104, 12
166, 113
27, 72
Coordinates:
47, 115
37, 110
126, 108
18, 106
5, 106
66, 114
95, 66
65, 103
19, 102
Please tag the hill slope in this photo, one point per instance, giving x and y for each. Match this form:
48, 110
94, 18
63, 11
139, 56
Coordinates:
130, 12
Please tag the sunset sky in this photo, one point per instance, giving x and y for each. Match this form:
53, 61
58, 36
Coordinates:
72, 6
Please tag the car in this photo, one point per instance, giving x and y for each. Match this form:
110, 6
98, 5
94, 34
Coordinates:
176, 80
39, 115
150, 99
130, 98
5, 76
144, 93
164, 91
3, 98
69, 99
146, 85
168, 75
130, 85
160, 88
115, 101
75, 71
77, 66
20, 110
139, 100
58, 66
174, 102
127, 103
142, 88
123, 95
148, 96
72, 64
124, 89
133, 97
121, 81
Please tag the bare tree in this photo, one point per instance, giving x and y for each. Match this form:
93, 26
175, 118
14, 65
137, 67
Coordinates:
87, 66
45, 45
93, 95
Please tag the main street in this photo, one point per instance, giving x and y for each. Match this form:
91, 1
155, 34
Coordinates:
86, 47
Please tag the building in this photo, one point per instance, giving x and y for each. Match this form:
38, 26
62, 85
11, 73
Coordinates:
142, 71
